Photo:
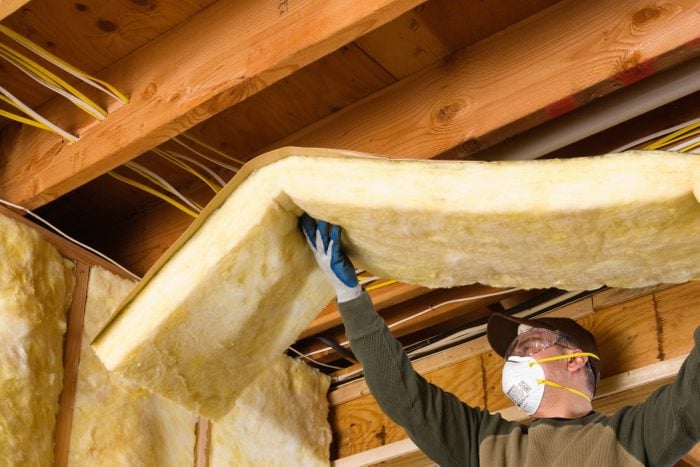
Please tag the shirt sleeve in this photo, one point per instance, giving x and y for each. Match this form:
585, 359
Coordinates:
667, 425
441, 425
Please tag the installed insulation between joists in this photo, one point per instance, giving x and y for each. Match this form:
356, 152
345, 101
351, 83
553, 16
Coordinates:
244, 284
36, 284
281, 419
115, 422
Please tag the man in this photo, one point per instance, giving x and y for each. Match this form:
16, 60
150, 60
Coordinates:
550, 372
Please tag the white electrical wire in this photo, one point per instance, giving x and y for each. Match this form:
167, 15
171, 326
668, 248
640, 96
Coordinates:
647, 138
684, 144
367, 280
450, 302
314, 361
420, 313
136, 167
65, 235
28, 110
87, 107
204, 156
211, 173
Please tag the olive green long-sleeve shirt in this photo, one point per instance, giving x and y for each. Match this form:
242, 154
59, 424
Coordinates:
658, 432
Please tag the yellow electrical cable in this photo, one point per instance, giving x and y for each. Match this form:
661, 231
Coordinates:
6, 96
19, 118
211, 148
691, 147
381, 284
159, 183
150, 190
23, 62
186, 167
85, 77
668, 138
682, 137
25, 120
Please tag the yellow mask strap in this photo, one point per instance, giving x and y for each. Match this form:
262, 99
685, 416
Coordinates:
556, 385
564, 357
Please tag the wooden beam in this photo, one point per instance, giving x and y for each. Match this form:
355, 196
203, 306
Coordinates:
382, 298
537, 69
202, 448
71, 361
7, 7
219, 57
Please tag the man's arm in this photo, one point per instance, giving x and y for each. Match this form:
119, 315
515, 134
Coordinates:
667, 425
443, 427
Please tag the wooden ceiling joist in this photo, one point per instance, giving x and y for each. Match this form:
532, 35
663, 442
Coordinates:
535, 70
180, 79
382, 298
7, 7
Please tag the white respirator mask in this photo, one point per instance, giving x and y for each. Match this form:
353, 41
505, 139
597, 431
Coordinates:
523, 380
521, 383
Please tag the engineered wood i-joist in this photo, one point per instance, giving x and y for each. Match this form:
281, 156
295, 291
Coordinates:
236, 49
424, 311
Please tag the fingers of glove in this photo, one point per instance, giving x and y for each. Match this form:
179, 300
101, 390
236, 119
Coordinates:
336, 250
341, 265
322, 228
308, 226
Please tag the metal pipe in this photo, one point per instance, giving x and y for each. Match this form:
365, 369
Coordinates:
620, 106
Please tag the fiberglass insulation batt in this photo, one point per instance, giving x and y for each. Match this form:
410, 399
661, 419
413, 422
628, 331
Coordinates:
36, 284
115, 422
279, 420
244, 284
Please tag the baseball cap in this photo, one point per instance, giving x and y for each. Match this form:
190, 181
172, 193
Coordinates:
503, 328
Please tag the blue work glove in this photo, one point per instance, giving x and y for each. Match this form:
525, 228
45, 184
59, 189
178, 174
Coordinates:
324, 241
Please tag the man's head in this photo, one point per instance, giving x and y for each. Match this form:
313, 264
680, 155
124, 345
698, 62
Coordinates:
547, 360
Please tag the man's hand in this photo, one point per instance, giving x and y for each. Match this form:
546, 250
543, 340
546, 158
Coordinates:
324, 241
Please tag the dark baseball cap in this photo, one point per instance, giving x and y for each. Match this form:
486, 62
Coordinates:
503, 328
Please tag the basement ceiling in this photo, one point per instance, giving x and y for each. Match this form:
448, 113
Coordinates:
435, 79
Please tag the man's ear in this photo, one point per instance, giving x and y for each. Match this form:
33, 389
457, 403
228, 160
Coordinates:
576, 363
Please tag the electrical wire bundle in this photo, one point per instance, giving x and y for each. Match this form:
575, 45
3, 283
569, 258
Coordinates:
21, 112
166, 191
680, 138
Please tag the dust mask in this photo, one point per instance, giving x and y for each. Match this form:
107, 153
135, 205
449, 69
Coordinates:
523, 380
520, 383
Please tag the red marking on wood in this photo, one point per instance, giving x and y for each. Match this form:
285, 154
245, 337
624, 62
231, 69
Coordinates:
637, 72
561, 107
694, 43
